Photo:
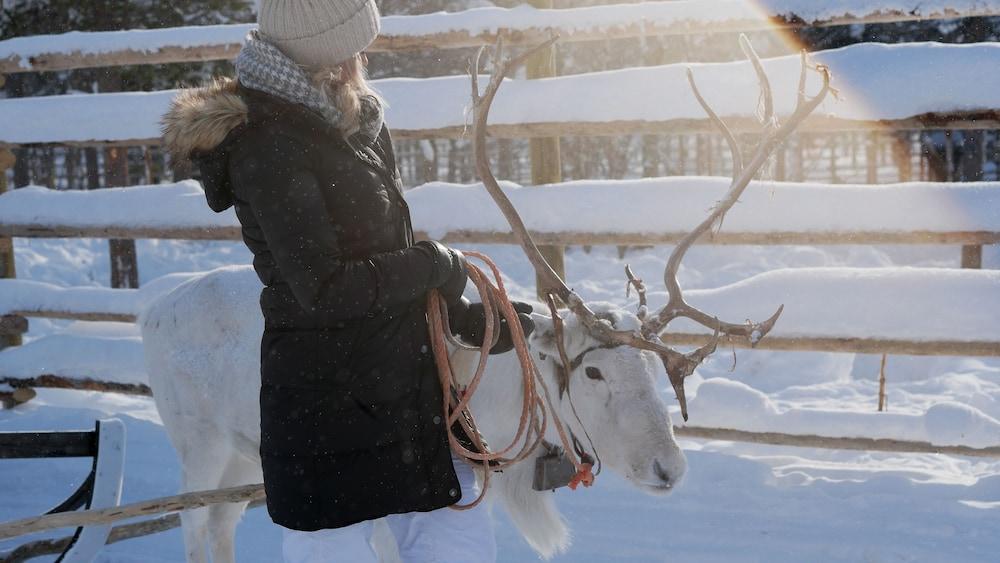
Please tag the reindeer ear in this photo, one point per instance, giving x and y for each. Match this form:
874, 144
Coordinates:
543, 339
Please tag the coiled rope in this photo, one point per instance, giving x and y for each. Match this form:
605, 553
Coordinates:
535, 412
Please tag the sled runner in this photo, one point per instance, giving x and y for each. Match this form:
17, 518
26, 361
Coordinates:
102, 488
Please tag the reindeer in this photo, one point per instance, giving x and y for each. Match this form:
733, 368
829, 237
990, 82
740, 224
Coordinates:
201, 343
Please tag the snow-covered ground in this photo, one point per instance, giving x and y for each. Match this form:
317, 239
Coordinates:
739, 502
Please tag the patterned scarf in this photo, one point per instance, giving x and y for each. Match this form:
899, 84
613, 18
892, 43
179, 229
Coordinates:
261, 66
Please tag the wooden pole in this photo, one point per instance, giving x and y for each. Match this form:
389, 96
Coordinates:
949, 156
799, 172
546, 161
972, 257
13, 324
871, 157
124, 267
831, 443
52, 381
118, 533
7, 269
902, 153
147, 162
682, 154
104, 516
831, 145
780, 163
881, 385
19, 396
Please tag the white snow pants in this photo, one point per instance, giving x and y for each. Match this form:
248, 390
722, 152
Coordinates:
439, 536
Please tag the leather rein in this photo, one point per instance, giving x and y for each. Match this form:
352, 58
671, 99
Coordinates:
537, 406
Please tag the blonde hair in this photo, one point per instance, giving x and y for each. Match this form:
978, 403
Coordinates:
344, 85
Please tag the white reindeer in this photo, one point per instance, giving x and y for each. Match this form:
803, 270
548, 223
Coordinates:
202, 348
201, 343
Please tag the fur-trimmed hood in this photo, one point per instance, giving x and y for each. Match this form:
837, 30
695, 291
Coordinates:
209, 124
199, 119
197, 125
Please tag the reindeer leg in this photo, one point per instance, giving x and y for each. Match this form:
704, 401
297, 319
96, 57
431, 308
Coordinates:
223, 518
203, 454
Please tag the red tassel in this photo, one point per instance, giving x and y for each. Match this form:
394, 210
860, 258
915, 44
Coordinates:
584, 475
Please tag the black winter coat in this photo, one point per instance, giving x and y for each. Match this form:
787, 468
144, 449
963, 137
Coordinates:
350, 402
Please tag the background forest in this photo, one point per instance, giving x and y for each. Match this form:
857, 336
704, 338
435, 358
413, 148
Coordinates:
935, 155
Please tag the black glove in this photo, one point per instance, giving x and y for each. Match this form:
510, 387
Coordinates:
468, 322
450, 273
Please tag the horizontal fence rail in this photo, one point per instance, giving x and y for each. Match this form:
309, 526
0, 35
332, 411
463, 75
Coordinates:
119, 533
870, 77
645, 211
255, 493
828, 442
843, 345
865, 318
53, 381
470, 28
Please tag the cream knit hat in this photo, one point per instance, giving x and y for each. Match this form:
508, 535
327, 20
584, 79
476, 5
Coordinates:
319, 33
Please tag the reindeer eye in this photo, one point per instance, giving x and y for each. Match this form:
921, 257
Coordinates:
594, 373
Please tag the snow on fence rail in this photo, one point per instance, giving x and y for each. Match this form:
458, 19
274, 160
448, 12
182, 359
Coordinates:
633, 100
658, 212
479, 26
867, 317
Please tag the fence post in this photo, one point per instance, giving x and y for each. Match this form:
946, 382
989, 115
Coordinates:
10, 327
972, 257
780, 163
546, 163
871, 157
124, 266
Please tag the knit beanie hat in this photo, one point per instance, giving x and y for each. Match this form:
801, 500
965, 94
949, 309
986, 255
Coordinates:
319, 33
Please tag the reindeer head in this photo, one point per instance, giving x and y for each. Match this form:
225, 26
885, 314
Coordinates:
645, 335
608, 398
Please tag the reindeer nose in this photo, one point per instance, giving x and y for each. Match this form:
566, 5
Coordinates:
663, 475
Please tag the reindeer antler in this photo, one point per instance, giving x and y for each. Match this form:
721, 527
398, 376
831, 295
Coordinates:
551, 282
678, 366
773, 135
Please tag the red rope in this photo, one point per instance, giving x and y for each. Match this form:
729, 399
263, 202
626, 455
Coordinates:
534, 410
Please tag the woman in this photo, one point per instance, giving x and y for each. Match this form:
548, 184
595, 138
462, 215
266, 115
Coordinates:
351, 426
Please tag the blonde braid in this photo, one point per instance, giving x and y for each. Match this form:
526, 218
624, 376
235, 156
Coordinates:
343, 86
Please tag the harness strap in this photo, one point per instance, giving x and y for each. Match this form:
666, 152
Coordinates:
567, 367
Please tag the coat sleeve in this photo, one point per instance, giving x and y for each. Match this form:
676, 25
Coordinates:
288, 204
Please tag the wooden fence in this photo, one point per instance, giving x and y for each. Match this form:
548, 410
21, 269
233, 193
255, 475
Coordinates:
473, 28
476, 27
520, 26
